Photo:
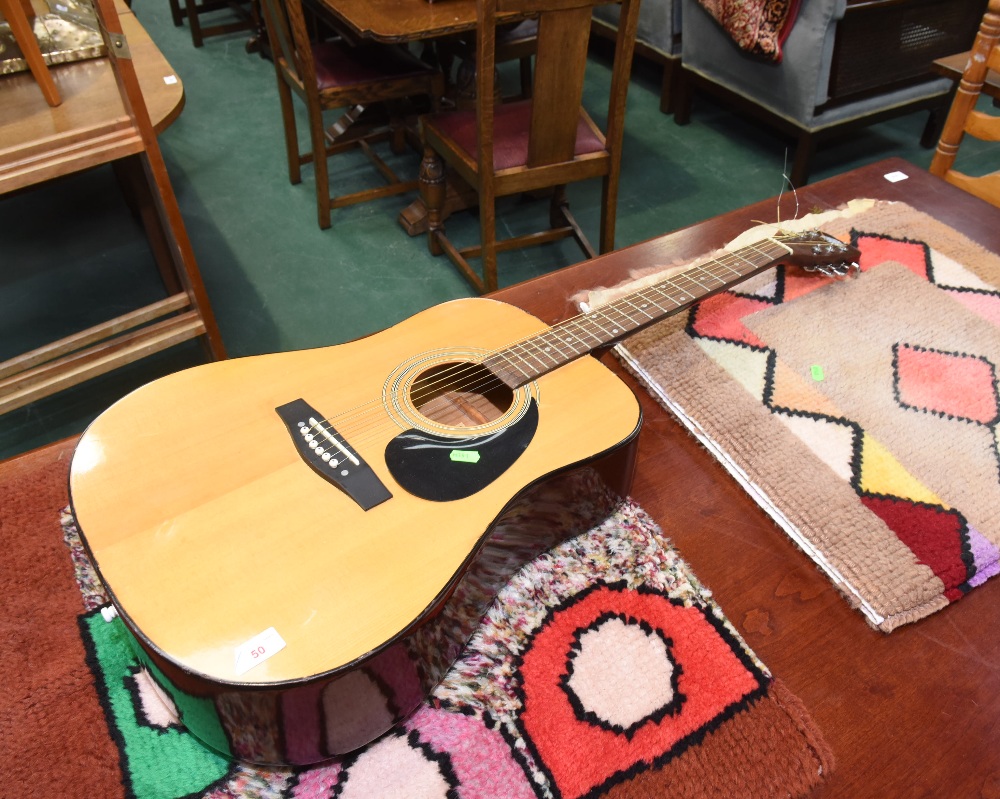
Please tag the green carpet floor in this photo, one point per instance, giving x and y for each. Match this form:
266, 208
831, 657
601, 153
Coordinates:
73, 255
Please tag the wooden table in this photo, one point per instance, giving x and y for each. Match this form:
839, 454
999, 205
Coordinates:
954, 65
112, 109
400, 21
89, 94
915, 713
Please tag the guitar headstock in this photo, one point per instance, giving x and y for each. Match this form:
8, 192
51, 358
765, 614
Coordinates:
815, 251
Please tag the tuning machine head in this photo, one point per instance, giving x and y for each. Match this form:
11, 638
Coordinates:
835, 270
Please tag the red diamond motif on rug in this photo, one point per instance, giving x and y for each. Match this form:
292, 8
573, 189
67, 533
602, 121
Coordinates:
721, 317
710, 681
927, 380
877, 250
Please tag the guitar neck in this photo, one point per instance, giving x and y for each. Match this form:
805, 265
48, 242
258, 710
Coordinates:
533, 357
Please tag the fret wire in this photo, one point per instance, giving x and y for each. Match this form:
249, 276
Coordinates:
564, 327
561, 343
700, 285
623, 313
524, 345
658, 288
556, 342
592, 320
651, 300
500, 354
640, 308
588, 319
543, 339
625, 320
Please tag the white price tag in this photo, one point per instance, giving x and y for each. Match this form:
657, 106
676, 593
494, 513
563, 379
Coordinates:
257, 650
895, 177
170, 80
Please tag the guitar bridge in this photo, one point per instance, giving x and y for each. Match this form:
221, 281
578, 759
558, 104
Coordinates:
330, 455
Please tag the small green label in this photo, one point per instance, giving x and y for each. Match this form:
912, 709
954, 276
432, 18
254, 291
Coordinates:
817, 372
465, 455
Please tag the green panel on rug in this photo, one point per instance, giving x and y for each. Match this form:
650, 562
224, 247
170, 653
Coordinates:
159, 757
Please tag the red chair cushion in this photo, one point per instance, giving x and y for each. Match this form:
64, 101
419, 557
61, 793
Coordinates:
511, 124
338, 66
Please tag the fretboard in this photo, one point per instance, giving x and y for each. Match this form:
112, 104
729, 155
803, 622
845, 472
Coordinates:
533, 357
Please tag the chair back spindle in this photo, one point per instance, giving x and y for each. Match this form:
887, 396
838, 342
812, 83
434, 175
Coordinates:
963, 118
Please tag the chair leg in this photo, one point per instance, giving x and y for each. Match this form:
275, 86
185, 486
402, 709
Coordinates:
291, 133
175, 13
397, 127
669, 85
525, 71
805, 149
488, 240
432, 192
934, 125
683, 97
557, 207
609, 208
317, 137
191, 11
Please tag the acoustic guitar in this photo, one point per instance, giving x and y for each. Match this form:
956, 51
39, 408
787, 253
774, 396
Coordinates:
300, 544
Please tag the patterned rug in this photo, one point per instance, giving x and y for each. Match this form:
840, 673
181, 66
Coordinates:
759, 27
860, 413
603, 669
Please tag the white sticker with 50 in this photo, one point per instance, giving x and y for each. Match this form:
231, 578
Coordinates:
257, 650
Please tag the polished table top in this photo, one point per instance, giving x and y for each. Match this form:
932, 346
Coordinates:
397, 21
915, 713
90, 98
954, 65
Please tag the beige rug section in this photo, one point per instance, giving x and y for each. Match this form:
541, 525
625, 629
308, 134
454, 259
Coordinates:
860, 413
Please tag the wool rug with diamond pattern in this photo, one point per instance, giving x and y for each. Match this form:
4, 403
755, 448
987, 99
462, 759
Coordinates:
861, 413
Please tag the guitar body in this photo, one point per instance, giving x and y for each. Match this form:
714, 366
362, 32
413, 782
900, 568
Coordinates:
212, 516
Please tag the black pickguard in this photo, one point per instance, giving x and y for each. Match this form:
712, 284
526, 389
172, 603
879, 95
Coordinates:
424, 463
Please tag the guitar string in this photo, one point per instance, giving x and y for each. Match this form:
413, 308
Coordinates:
360, 434
480, 380
426, 387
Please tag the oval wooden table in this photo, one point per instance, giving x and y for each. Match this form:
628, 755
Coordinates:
112, 109
90, 98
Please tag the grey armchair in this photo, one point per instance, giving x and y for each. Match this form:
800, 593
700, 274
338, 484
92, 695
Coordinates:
846, 64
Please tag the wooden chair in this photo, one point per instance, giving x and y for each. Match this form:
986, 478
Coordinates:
245, 15
541, 143
330, 74
965, 119
516, 42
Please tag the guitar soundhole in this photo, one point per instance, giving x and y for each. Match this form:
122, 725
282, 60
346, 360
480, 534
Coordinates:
460, 395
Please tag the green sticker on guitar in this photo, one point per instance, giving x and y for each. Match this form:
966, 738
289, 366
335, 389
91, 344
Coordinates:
465, 455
